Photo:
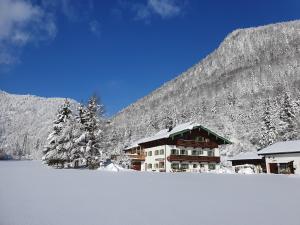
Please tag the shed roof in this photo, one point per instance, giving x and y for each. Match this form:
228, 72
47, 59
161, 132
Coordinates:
281, 148
245, 156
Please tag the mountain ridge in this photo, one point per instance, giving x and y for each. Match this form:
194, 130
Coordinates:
251, 63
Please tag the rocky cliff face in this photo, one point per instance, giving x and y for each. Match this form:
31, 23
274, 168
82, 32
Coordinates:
25, 122
226, 91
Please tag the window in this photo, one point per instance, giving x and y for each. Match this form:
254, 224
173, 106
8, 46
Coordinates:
161, 165
184, 166
210, 153
200, 152
195, 152
175, 166
174, 152
150, 153
200, 139
195, 166
183, 152
156, 152
211, 166
202, 165
161, 152
149, 166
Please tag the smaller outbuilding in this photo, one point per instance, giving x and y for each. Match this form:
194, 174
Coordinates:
282, 157
252, 159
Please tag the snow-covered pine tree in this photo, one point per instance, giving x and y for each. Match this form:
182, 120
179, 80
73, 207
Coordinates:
91, 120
60, 140
287, 119
269, 133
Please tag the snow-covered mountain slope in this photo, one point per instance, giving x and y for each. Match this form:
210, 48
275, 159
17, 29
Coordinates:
25, 121
226, 91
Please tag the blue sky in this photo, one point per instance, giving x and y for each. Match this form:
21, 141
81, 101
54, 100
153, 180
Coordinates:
121, 50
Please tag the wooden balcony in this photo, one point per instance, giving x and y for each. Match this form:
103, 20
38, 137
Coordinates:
136, 157
196, 144
193, 158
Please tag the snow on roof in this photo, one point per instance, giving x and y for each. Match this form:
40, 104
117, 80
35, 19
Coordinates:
166, 133
133, 145
245, 156
281, 147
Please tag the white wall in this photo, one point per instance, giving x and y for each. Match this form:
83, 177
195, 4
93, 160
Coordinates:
167, 152
284, 158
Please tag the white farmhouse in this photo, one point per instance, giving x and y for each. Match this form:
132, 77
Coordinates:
282, 157
188, 147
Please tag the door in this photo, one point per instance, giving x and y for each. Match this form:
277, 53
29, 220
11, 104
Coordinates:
273, 168
291, 167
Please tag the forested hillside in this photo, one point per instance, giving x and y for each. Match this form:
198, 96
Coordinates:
254, 72
25, 122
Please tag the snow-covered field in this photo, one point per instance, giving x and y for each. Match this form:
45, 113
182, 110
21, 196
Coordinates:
33, 194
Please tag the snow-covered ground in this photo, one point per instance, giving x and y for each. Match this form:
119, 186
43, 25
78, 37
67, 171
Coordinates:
33, 194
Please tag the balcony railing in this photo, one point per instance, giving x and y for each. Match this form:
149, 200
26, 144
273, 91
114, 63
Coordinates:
136, 157
196, 144
193, 158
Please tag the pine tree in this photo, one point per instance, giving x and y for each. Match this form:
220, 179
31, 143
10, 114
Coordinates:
89, 142
287, 119
268, 130
60, 140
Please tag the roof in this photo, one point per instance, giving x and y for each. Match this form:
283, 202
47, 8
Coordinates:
281, 147
245, 156
133, 145
181, 128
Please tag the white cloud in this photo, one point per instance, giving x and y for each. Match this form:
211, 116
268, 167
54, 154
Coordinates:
73, 10
163, 8
95, 28
22, 23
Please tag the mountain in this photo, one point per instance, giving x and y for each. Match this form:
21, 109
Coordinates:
25, 121
227, 91
252, 77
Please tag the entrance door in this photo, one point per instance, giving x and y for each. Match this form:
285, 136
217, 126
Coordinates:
291, 167
273, 168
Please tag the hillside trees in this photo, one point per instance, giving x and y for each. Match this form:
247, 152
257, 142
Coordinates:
288, 119
269, 133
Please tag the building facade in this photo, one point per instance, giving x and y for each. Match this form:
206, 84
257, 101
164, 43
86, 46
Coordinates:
187, 147
282, 157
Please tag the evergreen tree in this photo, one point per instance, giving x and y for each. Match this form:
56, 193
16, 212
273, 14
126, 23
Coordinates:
91, 121
287, 119
60, 140
268, 129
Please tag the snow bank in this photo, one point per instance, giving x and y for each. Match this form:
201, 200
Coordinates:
34, 194
223, 170
112, 167
246, 171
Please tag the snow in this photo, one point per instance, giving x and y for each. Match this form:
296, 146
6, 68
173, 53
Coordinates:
246, 171
223, 170
34, 194
281, 147
165, 133
112, 167
245, 156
